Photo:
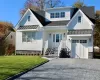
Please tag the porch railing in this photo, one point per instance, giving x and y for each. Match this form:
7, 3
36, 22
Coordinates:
59, 48
63, 45
45, 46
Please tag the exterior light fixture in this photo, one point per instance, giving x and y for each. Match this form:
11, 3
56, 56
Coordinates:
64, 34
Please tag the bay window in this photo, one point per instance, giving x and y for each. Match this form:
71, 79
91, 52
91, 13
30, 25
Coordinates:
28, 36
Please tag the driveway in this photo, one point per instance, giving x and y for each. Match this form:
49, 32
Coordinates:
65, 69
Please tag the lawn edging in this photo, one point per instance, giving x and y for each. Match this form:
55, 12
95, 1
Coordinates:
21, 73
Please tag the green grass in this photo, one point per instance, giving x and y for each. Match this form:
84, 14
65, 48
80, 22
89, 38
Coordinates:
11, 65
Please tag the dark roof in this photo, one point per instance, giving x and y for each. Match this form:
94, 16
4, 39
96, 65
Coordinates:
40, 16
83, 31
58, 23
28, 27
88, 11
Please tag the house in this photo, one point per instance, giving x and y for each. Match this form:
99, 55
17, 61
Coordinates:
52, 29
7, 39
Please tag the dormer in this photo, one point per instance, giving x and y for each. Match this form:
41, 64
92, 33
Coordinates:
58, 14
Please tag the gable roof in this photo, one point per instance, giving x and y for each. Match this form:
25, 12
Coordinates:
79, 10
40, 15
89, 11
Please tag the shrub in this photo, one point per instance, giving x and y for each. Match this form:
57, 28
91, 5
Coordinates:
64, 53
3, 47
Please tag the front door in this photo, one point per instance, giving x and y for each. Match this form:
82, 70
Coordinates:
56, 40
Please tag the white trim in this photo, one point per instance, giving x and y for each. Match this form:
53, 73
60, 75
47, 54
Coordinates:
59, 8
36, 19
21, 19
28, 30
80, 35
91, 23
17, 26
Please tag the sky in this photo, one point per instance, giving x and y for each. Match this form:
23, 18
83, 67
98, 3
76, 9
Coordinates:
10, 9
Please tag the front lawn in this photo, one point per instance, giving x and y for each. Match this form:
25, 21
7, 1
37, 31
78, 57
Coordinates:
11, 65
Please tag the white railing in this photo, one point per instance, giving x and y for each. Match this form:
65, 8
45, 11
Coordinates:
45, 46
59, 48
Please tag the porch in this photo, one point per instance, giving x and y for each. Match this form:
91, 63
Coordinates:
54, 41
79, 45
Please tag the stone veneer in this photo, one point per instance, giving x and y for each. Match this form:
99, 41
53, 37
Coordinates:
90, 55
28, 52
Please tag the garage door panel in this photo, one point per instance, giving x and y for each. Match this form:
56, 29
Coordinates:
73, 49
79, 48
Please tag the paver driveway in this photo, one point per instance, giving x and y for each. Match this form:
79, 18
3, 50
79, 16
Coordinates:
65, 69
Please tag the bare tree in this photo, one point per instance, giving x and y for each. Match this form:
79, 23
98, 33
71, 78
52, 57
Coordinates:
31, 4
54, 3
40, 5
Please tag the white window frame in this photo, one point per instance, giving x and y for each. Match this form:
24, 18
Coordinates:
52, 15
28, 36
57, 15
29, 18
62, 14
79, 21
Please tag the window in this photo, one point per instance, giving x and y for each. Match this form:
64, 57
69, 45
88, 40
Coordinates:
52, 15
11, 36
57, 15
57, 38
28, 18
75, 41
62, 14
83, 41
79, 19
28, 36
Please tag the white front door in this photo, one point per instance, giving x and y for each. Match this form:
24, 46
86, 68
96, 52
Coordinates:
79, 48
57, 37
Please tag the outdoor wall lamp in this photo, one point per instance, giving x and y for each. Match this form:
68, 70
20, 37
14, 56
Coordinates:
64, 34
49, 35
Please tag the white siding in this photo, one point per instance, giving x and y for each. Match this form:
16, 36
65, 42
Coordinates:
32, 21
11, 38
35, 45
67, 15
90, 45
83, 25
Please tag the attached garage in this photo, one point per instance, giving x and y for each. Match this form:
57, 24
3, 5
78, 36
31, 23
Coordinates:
79, 48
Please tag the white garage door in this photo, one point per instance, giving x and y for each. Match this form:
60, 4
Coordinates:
79, 49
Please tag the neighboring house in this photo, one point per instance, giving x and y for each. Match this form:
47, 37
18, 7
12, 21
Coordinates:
7, 41
54, 29
11, 38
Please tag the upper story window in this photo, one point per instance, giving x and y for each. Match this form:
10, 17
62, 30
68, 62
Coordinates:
79, 19
52, 15
57, 15
29, 18
62, 14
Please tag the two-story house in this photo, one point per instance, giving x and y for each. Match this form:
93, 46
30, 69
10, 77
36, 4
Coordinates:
56, 28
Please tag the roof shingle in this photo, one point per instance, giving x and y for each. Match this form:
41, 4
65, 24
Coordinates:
28, 27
